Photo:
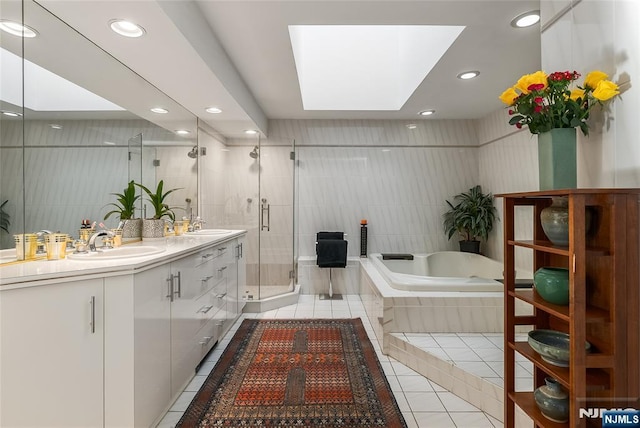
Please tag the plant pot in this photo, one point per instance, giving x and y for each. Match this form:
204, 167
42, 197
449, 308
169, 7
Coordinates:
557, 159
132, 229
552, 284
152, 228
552, 400
470, 247
555, 221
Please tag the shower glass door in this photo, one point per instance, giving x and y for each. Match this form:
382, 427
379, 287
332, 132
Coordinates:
275, 217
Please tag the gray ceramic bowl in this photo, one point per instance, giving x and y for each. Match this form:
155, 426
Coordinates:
553, 346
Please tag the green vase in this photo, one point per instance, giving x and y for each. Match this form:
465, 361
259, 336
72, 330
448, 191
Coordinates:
557, 159
552, 284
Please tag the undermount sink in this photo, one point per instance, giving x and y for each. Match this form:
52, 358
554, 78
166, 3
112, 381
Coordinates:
117, 253
209, 232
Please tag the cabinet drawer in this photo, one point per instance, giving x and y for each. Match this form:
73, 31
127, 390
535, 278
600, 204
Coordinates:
208, 335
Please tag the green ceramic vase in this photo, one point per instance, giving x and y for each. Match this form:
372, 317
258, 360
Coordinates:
552, 284
557, 159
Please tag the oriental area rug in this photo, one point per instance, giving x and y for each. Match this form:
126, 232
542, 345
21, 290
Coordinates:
296, 373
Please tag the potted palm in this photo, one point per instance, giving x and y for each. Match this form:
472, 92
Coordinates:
471, 215
154, 227
124, 207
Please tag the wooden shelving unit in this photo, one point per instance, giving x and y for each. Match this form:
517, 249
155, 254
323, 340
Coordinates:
602, 258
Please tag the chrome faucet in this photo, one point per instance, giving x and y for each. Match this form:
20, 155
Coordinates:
197, 223
105, 242
41, 249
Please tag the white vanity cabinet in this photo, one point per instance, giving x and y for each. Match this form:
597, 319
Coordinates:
112, 346
51, 355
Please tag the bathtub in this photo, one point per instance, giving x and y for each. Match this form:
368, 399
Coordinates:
442, 271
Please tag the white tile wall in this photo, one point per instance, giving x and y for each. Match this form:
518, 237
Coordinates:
399, 185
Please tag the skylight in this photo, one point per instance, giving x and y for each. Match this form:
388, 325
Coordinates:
365, 67
46, 91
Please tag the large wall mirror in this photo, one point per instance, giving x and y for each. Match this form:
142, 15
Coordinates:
84, 130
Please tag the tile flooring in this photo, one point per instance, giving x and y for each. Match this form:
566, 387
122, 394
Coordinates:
481, 354
422, 402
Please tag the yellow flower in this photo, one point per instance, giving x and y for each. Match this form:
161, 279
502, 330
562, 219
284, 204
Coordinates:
577, 93
605, 90
509, 96
594, 78
529, 79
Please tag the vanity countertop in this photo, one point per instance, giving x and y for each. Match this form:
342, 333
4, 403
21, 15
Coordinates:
20, 274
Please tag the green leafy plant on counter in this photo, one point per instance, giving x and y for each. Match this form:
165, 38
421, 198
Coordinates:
157, 198
126, 203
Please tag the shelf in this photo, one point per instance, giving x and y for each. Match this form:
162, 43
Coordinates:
525, 401
548, 247
562, 312
540, 245
597, 380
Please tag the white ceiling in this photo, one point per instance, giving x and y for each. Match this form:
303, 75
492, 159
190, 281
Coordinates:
237, 55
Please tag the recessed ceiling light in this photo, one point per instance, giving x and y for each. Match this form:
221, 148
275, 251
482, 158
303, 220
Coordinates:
55, 126
466, 75
213, 110
427, 112
250, 131
10, 113
160, 110
126, 28
412, 126
17, 29
526, 19
182, 132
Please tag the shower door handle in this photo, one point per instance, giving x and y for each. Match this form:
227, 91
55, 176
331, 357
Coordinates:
266, 208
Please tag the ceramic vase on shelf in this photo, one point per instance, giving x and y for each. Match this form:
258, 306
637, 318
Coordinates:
552, 284
552, 400
555, 221
557, 159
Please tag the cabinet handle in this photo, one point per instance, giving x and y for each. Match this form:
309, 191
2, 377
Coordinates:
221, 249
179, 292
170, 285
220, 296
241, 250
92, 321
206, 256
574, 263
222, 268
206, 278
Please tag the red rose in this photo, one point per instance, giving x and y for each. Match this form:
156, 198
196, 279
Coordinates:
537, 109
518, 125
535, 87
538, 100
511, 112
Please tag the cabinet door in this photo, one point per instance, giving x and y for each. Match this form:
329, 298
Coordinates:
152, 337
193, 276
51, 355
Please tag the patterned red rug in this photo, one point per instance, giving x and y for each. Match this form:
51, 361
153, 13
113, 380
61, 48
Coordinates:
296, 373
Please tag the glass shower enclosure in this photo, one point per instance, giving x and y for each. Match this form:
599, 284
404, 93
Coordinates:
249, 184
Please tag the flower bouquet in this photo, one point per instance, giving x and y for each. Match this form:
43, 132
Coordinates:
544, 102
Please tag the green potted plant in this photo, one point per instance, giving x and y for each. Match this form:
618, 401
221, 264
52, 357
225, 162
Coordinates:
154, 227
471, 215
124, 207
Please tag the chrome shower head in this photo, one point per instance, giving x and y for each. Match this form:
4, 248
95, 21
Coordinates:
254, 153
193, 153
